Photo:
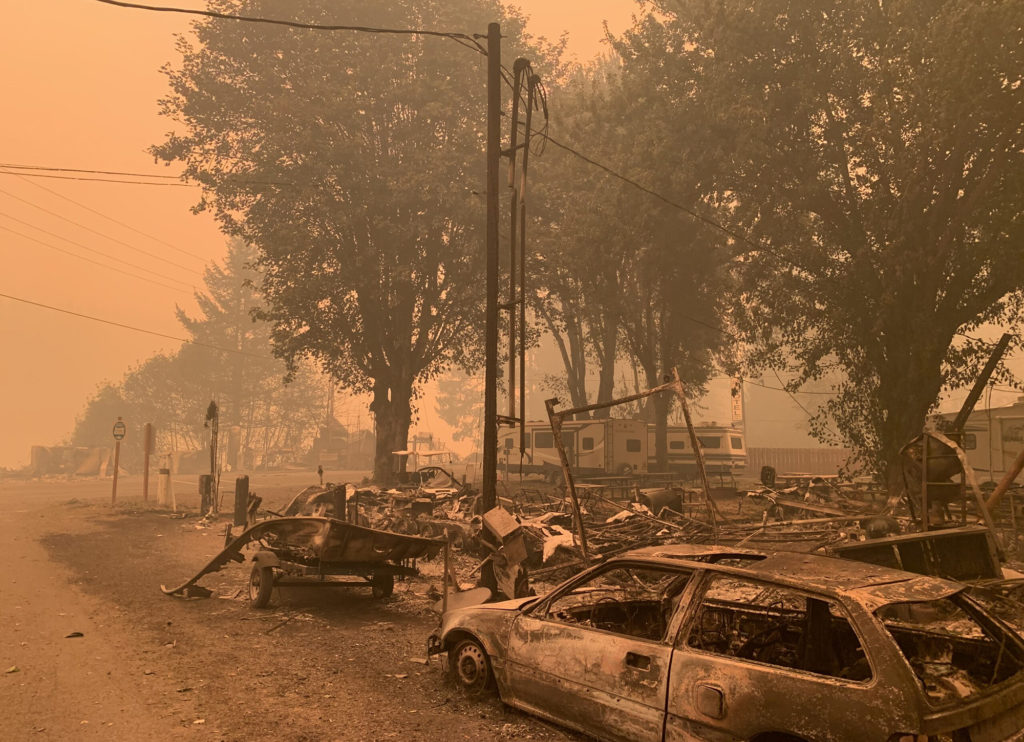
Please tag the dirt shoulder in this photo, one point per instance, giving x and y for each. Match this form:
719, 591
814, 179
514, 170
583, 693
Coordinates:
319, 665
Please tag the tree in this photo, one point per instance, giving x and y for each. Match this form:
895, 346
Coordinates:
627, 275
349, 161
226, 361
870, 152
256, 409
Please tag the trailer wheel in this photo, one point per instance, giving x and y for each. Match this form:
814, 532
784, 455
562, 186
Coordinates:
626, 469
383, 584
261, 584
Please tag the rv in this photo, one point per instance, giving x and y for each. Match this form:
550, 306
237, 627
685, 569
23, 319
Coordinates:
619, 447
724, 449
593, 447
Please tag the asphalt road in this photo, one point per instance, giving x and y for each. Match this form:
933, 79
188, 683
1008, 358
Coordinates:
318, 665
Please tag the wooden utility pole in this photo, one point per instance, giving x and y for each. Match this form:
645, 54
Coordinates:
490, 463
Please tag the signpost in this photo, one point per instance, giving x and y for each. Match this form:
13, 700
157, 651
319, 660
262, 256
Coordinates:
148, 437
119, 430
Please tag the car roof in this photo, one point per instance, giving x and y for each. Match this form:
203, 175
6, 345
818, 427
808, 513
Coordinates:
868, 582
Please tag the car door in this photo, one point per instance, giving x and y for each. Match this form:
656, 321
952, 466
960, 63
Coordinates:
595, 656
753, 657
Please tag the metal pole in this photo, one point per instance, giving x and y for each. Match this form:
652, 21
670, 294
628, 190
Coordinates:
147, 437
1006, 481
447, 573
979, 384
489, 486
518, 71
117, 458
570, 485
531, 85
925, 518
697, 452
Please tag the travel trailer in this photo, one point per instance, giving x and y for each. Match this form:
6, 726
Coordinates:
725, 451
619, 447
594, 447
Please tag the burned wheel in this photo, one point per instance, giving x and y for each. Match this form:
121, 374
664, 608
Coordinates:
261, 584
383, 584
470, 667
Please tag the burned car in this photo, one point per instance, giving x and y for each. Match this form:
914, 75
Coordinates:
711, 643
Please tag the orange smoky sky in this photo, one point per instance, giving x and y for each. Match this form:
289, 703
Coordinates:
79, 84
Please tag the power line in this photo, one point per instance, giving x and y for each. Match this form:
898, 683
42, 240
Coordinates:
166, 184
291, 24
93, 250
639, 186
136, 329
162, 259
115, 221
12, 166
784, 389
94, 262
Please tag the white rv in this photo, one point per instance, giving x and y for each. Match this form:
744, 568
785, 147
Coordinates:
594, 447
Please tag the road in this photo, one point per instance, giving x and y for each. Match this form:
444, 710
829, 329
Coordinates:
319, 665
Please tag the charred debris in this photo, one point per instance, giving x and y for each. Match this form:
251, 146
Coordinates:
941, 524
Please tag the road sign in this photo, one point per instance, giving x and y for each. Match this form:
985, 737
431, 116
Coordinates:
119, 430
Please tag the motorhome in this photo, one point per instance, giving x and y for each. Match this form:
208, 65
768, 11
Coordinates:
619, 447
593, 447
725, 451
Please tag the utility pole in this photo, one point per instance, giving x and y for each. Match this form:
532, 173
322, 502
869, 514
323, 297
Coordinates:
490, 463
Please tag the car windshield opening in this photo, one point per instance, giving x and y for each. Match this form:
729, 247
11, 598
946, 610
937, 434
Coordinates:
630, 601
953, 653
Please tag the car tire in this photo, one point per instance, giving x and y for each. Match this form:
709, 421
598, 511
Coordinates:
470, 667
383, 584
261, 584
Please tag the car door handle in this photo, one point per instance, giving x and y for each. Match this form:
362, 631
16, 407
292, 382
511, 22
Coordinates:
638, 661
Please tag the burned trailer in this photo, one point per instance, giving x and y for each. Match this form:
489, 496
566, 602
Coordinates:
317, 552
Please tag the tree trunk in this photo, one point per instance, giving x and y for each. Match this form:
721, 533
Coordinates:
661, 403
392, 413
571, 348
606, 379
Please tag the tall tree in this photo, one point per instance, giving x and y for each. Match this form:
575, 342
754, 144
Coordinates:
227, 361
872, 152
349, 160
642, 280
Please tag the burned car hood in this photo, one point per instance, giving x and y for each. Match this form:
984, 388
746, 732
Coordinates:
506, 605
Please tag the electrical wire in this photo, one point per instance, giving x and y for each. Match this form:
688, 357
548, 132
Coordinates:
290, 24
12, 166
115, 221
95, 251
783, 389
94, 262
661, 197
187, 269
135, 329
165, 184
